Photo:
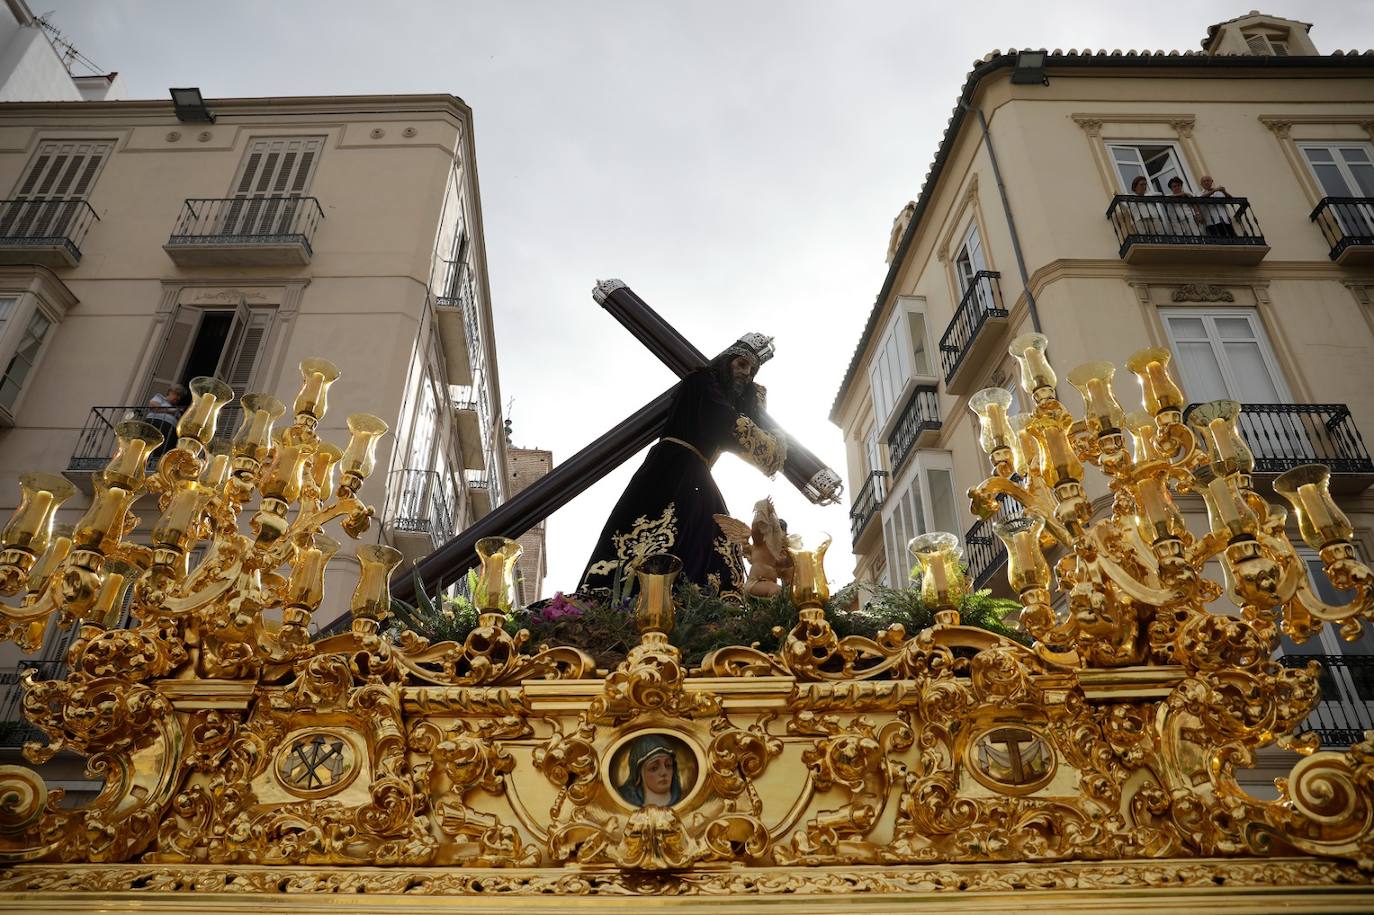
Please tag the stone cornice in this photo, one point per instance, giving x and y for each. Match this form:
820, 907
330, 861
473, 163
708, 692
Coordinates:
233, 108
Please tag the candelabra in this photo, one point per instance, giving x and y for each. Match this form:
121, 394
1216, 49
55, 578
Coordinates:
235, 613
1131, 580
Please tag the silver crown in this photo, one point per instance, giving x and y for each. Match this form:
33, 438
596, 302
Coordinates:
756, 346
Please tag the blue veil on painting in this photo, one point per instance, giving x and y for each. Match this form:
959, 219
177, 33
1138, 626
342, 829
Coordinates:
643, 749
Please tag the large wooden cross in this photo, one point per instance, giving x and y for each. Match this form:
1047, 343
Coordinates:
542, 498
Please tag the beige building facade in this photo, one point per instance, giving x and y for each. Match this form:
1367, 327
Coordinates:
142, 246
1027, 221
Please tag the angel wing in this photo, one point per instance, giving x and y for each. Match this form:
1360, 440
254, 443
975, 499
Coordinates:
735, 530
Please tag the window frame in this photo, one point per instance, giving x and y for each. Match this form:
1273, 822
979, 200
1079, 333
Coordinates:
15, 326
899, 338
1181, 160
1208, 317
151, 380
901, 507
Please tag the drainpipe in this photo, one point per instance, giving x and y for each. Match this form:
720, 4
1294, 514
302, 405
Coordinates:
1006, 209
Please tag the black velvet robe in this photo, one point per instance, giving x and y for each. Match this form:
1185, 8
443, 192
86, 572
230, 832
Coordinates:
670, 504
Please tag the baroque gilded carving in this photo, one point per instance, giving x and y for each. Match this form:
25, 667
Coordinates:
240, 755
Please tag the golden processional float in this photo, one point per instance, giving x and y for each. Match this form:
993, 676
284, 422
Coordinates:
246, 766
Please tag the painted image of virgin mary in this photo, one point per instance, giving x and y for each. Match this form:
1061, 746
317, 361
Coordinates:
653, 779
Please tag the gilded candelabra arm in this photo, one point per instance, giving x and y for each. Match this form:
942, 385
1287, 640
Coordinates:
1037, 499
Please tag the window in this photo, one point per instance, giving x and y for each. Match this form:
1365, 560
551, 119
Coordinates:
1345, 170
422, 435
902, 357
61, 170
1346, 679
873, 459
24, 358
1158, 161
220, 342
927, 504
274, 170
1224, 354
1268, 44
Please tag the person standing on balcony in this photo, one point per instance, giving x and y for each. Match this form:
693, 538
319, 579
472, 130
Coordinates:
1144, 216
1187, 219
163, 412
671, 502
1216, 218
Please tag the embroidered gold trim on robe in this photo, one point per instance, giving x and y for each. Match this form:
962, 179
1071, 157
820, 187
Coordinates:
765, 450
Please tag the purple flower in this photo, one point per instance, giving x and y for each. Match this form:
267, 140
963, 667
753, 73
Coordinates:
560, 608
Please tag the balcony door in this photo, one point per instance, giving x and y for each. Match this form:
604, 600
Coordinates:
57, 182
1345, 170
1159, 162
226, 343
275, 173
1225, 355
968, 263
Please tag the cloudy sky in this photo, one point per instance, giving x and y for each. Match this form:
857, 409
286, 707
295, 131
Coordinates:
738, 163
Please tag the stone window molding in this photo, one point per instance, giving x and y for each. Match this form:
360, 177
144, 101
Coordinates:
966, 213
36, 289
283, 295
1177, 127
1290, 130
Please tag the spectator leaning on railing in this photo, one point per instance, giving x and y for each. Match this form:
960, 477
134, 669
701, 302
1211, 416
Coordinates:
163, 412
1186, 220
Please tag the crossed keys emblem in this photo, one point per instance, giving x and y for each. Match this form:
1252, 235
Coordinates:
314, 762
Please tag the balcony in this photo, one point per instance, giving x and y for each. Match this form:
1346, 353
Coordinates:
1283, 436
15, 730
1348, 224
96, 443
245, 231
1186, 231
479, 493
974, 333
919, 426
866, 505
468, 414
983, 549
45, 232
1346, 708
421, 512
456, 320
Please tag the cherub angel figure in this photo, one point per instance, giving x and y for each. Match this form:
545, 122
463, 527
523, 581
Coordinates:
765, 544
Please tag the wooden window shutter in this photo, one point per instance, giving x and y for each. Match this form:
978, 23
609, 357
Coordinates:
275, 167
176, 346
61, 170
244, 348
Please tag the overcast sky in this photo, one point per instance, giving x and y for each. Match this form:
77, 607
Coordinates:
739, 164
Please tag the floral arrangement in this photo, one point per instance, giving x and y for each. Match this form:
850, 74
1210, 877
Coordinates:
602, 623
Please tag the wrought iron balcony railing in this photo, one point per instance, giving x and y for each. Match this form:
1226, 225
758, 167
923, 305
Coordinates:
422, 504
1346, 709
1285, 435
1347, 222
983, 549
15, 730
1183, 221
31, 228
921, 414
982, 300
96, 443
247, 221
867, 503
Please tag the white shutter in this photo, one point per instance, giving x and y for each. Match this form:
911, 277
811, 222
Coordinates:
273, 168
61, 170
1258, 44
244, 348
176, 346
65, 169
